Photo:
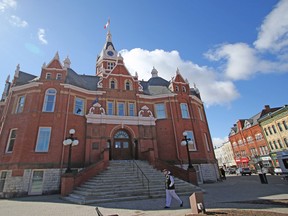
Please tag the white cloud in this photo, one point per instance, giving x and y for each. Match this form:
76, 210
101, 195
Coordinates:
213, 89
41, 36
273, 33
240, 60
16, 21
217, 142
5, 4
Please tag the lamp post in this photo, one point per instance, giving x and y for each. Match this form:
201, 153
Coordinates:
71, 141
186, 141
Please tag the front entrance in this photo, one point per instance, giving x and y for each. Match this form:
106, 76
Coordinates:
121, 148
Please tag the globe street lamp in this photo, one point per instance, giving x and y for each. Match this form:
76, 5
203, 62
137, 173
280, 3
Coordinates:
187, 141
71, 141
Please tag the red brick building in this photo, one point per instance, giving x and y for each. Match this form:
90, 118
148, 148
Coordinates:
248, 142
142, 120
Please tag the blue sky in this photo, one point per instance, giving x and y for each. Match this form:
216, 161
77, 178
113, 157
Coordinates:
236, 52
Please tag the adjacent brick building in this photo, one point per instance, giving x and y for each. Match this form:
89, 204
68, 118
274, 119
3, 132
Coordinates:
141, 120
248, 142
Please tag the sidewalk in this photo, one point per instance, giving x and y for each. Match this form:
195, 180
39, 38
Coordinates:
233, 193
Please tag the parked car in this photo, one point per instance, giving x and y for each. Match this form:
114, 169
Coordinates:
278, 171
243, 171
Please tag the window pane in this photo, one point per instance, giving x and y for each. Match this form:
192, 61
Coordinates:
184, 111
20, 104
190, 135
43, 140
160, 111
79, 106
11, 140
121, 111
110, 108
131, 109
49, 101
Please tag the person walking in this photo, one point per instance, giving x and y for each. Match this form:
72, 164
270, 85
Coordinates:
170, 189
223, 173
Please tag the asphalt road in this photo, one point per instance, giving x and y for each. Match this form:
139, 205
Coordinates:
237, 192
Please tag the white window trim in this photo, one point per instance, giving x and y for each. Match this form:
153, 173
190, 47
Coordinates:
9, 139
38, 139
83, 107
18, 104
164, 111
45, 100
187, 109
124, 111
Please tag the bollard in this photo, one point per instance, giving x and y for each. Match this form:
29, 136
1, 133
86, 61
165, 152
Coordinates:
197, 203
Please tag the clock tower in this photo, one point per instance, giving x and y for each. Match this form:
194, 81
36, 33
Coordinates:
106, 61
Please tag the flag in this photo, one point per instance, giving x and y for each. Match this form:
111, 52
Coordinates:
107, 24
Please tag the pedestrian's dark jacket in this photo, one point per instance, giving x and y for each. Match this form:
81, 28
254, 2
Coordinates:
169, 184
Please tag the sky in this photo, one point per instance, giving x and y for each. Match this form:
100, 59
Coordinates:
235, 52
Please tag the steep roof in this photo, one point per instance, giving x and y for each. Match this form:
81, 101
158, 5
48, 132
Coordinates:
82, 81
24, 78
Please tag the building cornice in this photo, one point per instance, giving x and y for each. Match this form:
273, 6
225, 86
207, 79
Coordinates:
120, 120
26, 86
68, 86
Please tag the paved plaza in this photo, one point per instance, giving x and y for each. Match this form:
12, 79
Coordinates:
237, 192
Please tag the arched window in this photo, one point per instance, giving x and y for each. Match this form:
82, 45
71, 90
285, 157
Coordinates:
176, 88
113, 84
183, 89
49, 100
127, 85
121, 135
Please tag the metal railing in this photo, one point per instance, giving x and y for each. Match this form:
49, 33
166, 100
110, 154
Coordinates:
140, 171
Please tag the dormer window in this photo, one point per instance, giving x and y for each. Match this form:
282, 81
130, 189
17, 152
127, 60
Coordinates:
59, 76
48, 76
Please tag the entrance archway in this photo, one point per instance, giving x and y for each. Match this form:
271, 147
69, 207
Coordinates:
122, 147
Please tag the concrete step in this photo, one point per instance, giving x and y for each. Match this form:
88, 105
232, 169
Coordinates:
120, 183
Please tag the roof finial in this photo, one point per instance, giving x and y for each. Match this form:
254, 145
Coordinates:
17, 71
67, 62
154, 72
56, 56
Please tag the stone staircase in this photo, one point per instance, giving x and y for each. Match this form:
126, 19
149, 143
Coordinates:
122, 181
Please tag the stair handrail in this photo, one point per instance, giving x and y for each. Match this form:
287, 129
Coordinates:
143, 174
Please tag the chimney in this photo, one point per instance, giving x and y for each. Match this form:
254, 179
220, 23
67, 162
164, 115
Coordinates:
267, 108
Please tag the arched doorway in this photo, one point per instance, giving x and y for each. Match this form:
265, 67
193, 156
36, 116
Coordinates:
122, 147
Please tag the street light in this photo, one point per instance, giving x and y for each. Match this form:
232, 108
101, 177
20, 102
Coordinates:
71, 141
187, 141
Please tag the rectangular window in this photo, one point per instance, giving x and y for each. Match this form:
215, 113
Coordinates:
20, 104
160, 111
131, 109
48, 76
200, 114
206, 142
279, 126
79, 106
110, 108
184, 110
190, 135
43, 139
59, 76
120, 109
2, 180
285, 125
11, 140
111, 65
